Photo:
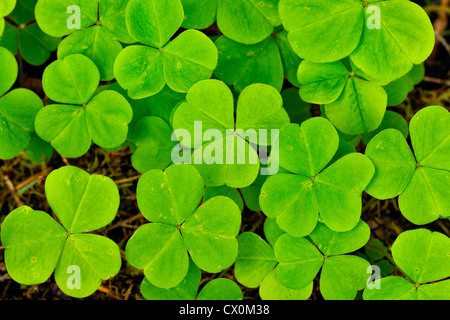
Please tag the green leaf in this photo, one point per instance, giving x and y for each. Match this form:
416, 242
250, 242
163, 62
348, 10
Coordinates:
298, 110
293, 191
247, 21
342, 277
290, 59
241, 65
144, 71
98, 258
405, 34
107, 118
315, 141
6, 7
394, 164
171, 196
18, 110
392, 288
208, 101
260, 107
233, 194
391, 120
10, 38
75, 196
36, 46
152, 136
422, 255
159, 250
53, 19
199, 15
33, 242
434, 291
96, 44
430, 137
59, 124
272, 231
10, 70
255, 260
359, 109
299, 261
38, 150
321, 83
323, 31
210, 234
189, 58
112, 15
154, 22
220, 289
433, 202
139, 70
23, 12
186, 290
215, 164
273, 289
338, 191
71, 80
333, 243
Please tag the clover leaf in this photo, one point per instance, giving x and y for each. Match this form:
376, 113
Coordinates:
331, 195
420, 179
423, 257
268, 61
22, 35
351, 103
210, 102
208, 233
6, 7
36, 245
247, 21
217, 289
18, 109
328, 32
153, 144
199, 15
102, 26
342, 275
256, 266
143, 70
82, 117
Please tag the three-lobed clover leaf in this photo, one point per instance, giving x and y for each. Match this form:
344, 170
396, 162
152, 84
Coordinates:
342, 275
18, 109
330, 31
210, 104
82, 117
351, 103
23, 35
256, 266
6, 7
421, 180
144, 70
423, 256
36, 245
217, 289
101, 26
312, 192
169, 200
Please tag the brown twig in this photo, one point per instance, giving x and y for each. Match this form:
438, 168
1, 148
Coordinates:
12, 190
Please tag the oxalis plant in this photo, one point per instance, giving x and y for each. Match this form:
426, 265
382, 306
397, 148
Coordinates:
260, 134
36, 245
